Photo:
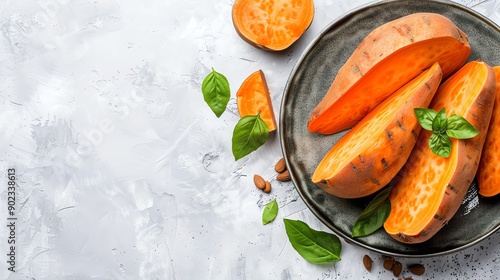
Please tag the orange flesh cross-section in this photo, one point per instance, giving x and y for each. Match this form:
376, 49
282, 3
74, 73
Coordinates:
423, 181
274, 24
489, 167
420, 198
339, 111
365, 135
253, 98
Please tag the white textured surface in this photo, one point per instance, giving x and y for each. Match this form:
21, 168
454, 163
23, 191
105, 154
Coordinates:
123, 170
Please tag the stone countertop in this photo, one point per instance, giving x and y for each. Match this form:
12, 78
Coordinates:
123, 171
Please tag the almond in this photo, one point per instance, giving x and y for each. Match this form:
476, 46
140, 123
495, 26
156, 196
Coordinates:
259, 182
397, 267
283, 176
267, 189
367, 262
280, 165
416, 269
388, 263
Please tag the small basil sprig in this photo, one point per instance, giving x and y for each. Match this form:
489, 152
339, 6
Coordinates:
270, 212
443, 128
216, 92
249, 134
374, 215
314, 246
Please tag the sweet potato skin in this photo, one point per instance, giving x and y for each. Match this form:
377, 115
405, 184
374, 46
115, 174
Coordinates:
462, 163
385, 151
488, 173
389, 57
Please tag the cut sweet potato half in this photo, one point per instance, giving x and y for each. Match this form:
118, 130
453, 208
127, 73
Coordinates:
488, 173
371, 154
272, 25
429, 189
389, 57
253, 97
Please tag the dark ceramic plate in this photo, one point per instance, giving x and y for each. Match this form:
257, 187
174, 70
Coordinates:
477, 218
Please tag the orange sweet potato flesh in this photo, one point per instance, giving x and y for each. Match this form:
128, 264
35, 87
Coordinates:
272, 25
389, 57
253, 97
429, 189
488, 173
371, 154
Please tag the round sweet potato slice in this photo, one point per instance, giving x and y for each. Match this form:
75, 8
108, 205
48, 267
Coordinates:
272, 25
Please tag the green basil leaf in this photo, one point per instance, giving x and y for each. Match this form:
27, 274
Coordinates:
454, 126
460, 128
316, 247
374, 215
440, 123
425, 117
249, 134
270, 212
216, 92
440, 144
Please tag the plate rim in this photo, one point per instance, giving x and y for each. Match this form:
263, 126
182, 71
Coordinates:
282, 130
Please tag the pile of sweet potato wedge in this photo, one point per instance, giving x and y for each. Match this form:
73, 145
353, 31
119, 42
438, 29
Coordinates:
417, 61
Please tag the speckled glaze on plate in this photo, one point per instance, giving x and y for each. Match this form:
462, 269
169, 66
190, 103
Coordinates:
477, 218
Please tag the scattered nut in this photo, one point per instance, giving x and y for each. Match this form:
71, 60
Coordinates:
283, 176
397, 267
416, 269
267, 188
388, 263
406, 278
259, 182
280, 166
367, 262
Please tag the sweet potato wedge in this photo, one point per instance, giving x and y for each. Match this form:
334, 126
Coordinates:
372, 153
272, 25
389, 57
488, 173
429, 189
253, 97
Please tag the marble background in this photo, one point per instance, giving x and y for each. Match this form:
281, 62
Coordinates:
123, 171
